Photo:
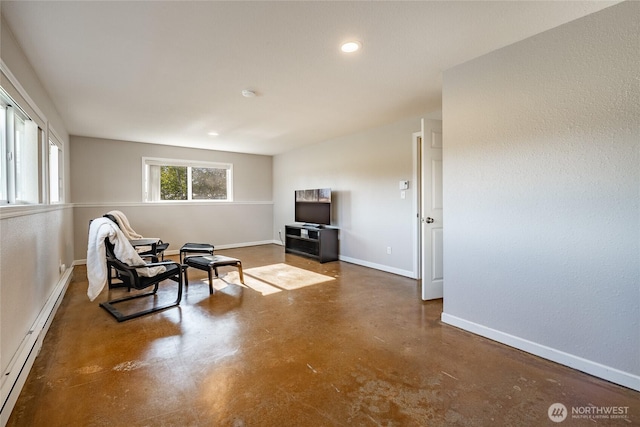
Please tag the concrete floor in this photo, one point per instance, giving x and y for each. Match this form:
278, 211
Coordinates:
361, 350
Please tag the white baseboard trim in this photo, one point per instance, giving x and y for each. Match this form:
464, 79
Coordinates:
17, 371
608, 373
231, 246
398, 271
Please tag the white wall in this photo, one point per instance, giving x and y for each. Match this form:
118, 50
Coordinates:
363, 171
107, 175
542, 194
34, 241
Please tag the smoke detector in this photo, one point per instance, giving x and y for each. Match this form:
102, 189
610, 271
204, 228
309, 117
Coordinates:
248, 93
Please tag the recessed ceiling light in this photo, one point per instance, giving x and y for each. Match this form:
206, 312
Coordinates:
212, 133
351, 46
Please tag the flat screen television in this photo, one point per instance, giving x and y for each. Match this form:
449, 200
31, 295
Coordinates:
313, 207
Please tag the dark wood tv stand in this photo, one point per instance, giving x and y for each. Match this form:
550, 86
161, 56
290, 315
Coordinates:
320, 243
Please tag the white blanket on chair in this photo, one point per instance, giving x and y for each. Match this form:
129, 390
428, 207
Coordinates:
123, 221
100, 229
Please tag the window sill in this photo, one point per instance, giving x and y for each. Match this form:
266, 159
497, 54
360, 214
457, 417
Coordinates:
11, 211
185, 202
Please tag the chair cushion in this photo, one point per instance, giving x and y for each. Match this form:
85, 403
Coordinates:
206, 262
145, 282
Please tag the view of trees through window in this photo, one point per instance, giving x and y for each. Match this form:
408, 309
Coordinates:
173, 183
209, 184
206, 183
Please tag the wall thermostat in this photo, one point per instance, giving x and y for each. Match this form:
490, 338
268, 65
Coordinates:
404, 185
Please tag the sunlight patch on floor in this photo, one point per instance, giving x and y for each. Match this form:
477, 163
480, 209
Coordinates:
273, 278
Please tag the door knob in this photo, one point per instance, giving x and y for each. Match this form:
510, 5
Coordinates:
429, 220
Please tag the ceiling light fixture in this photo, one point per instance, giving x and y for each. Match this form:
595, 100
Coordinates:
248, 93
351, 46
212, 133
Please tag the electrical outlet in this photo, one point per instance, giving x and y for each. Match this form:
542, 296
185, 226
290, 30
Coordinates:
389, 250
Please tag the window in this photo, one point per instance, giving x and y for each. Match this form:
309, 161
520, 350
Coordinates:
4, 198
19, 165
183, 180
55, 171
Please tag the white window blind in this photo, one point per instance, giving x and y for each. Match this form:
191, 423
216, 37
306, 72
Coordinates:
26, 149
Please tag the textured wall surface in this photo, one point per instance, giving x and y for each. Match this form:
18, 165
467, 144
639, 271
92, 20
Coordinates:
108, 171
34, 240
363, 170
32, 248
107, 175
542, 192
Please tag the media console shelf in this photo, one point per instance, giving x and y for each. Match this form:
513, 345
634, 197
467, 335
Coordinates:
314, 242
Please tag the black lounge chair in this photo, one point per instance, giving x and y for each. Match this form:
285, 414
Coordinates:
131, 279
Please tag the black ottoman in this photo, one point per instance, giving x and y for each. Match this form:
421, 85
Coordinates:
210, 264
195, 248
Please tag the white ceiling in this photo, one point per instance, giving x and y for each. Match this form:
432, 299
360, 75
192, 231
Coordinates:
170, 72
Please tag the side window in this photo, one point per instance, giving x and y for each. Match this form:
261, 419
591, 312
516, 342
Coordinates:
19, 167
172, 180
4, 197
55, 171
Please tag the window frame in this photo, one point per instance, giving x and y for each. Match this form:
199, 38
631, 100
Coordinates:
35, 184
189, 164
15, 185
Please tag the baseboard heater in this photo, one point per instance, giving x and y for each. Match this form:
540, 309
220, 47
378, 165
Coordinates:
14, 377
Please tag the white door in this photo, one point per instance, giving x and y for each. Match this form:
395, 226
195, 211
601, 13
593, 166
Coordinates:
431, 209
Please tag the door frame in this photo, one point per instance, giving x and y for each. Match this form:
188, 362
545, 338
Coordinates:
416, 144
419, 146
